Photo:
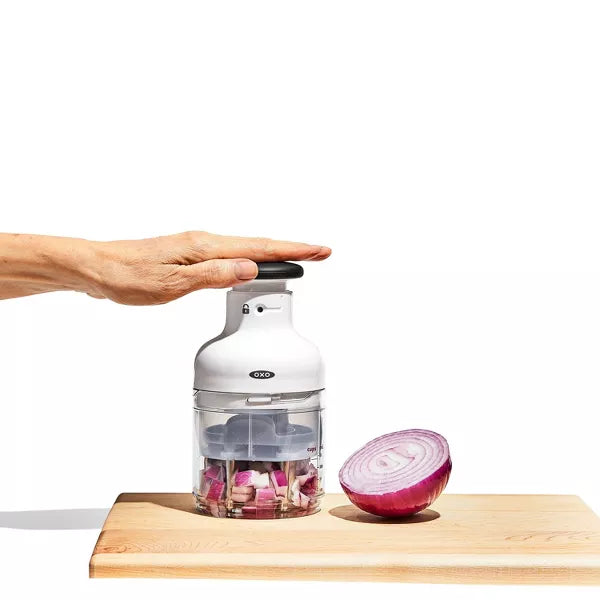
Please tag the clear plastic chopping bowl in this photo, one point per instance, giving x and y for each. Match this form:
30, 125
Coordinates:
258, 457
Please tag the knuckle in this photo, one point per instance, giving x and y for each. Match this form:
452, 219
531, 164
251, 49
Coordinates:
213, 274
266, 245
199, 243
214, 271
193, 236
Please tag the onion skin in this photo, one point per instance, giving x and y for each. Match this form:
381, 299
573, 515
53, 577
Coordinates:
404, 501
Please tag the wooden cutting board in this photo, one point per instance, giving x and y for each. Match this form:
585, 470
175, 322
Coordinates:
460, 539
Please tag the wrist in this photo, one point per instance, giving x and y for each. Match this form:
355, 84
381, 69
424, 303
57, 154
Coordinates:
80, 264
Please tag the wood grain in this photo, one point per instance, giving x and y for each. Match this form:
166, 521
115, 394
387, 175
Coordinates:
460, 539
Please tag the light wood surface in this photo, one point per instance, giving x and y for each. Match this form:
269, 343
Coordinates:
460, 539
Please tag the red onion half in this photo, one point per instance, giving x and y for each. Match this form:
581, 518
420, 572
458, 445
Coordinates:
397, 474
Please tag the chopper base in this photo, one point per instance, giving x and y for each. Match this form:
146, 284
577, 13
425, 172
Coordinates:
513, 539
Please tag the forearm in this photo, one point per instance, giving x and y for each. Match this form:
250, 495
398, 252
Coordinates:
33, 264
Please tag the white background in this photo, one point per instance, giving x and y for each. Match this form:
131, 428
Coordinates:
448, 153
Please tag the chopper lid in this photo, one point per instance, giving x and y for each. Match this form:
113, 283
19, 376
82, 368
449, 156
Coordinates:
279, 270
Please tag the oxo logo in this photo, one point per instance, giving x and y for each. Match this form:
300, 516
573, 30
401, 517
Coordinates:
262, 374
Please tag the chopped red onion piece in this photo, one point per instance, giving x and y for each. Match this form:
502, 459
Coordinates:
216, 490
214, 472
242, 493
279, 481
304, 500
308, 482
299, 499
265, 495
310, 473
241, 497
204, 484
262, 481
266, 503
397, 474
245, 478
310, 486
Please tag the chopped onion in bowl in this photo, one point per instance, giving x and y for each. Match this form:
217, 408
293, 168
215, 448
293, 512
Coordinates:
397, 474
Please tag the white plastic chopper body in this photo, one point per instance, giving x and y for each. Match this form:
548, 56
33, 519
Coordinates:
259, 352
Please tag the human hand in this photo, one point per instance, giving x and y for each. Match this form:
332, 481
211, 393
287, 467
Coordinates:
150, 271
158, 270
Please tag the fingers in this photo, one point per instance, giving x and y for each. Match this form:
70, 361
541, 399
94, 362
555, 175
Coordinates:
259, 249
219, 273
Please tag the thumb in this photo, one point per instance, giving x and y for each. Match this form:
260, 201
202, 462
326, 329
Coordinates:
220, 273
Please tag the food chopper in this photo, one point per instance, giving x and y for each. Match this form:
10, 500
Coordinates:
258, 387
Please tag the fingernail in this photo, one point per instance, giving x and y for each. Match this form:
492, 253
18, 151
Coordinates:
245, 269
